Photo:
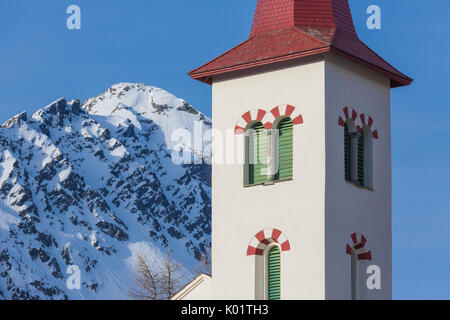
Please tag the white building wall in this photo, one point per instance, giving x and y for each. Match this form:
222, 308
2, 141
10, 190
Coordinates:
295, 207
349, 208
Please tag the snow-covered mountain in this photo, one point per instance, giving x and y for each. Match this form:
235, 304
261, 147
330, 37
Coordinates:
93, 185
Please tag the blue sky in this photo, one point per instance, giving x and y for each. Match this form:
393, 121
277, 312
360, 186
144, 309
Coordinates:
157, 42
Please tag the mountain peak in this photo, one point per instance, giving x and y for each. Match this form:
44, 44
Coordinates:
138, 96
93, 186
136, 103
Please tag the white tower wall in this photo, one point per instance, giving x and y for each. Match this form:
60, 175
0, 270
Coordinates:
349, 208
318, 210
295, 207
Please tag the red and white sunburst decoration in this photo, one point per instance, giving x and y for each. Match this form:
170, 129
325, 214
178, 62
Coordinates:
359, 247
266, 237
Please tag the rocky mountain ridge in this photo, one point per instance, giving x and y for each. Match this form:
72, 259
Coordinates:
93, 184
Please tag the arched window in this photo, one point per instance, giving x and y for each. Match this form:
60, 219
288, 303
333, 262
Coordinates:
284, 163
361, 160
358, 154
358, 143
256, 146
350, 150
365, 174
267, 246
360, 258
268, 144
274, 273
347, 146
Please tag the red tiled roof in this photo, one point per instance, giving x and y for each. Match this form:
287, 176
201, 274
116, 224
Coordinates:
271, 15
289, 29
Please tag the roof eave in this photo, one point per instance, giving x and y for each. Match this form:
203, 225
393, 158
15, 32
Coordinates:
397, 80
206, 76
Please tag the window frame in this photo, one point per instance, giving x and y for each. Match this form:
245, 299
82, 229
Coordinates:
267, 251
367, 151
276, 148
349, 129
250, 126
273, 153
365, 179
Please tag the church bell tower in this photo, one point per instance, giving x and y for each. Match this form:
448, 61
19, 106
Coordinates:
307, 213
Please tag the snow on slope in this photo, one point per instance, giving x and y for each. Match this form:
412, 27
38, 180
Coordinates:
124, 103
94, 185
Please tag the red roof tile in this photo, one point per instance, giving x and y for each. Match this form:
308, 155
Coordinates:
289, 29
271, 15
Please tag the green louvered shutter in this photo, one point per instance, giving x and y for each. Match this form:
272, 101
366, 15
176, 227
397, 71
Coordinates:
347, 142
285, 149
274, 274
361, 160
258, 169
